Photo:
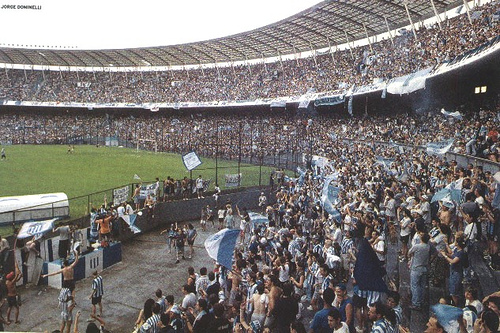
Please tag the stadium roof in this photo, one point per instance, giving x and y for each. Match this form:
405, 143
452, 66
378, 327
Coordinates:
330, 23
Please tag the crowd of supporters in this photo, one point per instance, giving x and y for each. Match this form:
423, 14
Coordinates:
360, 66
260, 135
303, 263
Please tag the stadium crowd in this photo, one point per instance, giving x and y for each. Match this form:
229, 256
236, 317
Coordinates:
261, 135
357, 67
302, 264
305, 261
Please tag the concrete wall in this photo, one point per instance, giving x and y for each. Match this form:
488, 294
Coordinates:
166, 213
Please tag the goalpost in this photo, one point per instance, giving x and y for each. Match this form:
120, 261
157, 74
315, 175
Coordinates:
144, 141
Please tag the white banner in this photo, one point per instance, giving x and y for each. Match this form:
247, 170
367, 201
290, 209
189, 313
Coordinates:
456, 114
439, 148
408, 83
191, 160
120, 195
233, 180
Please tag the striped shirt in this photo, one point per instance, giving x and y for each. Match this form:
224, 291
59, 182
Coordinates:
371, 296
326, 282
318, 248
97, 287
251, 290
399, 316
346, 245
382, 326
153, 322
65, 303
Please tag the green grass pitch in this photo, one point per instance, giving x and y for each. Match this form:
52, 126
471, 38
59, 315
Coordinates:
35, 169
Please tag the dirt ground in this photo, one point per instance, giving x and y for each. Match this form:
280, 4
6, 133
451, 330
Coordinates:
146, 266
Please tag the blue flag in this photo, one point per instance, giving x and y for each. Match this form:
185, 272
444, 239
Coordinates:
448, 316
368, 272
220, 246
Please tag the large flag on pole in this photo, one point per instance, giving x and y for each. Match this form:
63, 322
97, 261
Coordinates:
220, 246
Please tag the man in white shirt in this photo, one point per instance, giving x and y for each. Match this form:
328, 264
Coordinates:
121, 210
262, 202
199, 187
189, 299
335, 322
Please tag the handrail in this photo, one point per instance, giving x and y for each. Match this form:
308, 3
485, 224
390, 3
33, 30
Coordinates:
486, 164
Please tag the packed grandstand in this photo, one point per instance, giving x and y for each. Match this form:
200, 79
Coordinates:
396, 192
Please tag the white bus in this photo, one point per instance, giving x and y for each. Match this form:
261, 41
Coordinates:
33, 207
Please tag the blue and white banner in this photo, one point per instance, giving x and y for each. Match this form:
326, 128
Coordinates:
319, 161
304, 104
130, 220
149, 189
220, 246
330, 194
37, 229
408, 83
439, 148
332, 100
278, 103
451, 195
457, 115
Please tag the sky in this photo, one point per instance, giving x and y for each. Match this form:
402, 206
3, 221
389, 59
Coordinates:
109, 24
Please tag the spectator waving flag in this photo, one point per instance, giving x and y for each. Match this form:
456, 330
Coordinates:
457, 115
220, 246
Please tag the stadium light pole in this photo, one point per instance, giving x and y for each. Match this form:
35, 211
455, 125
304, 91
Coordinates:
216, 151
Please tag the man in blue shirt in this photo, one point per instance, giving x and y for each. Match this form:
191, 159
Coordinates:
320, 320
